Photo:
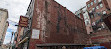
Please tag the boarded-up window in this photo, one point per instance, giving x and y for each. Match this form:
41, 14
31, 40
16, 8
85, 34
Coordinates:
35, 34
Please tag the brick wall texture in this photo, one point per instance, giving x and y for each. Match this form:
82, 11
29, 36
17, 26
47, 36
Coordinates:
56, 24
103, 35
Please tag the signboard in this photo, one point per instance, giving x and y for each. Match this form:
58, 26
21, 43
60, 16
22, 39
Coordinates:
35, 34
107, 21
23, 21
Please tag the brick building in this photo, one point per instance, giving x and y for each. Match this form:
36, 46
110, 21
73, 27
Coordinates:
52, 25
3, 24
97, 10
84, 15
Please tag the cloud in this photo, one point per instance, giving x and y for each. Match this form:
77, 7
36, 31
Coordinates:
12, 26
15, 9
7, 38
19, 7
72, 5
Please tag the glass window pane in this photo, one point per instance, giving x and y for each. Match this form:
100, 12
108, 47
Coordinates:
101, 5
88, 5
94, 1
97, 7
93, 9
92, 16
99, 0
91, 3
104, 12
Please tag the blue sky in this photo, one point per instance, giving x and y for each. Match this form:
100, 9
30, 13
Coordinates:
19, 7
15, 9
11, 28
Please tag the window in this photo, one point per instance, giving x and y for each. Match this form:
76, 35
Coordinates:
104, 12
93, 9
97, 7
92, 16
101, 5
88, 5
99, 0
87, 22
94, 1
103, 26
79, 15
93, 23
35, 34
84, 9
86, 16
95, 15
91, 3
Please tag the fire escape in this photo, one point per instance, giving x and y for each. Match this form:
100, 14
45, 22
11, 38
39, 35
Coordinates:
96, 25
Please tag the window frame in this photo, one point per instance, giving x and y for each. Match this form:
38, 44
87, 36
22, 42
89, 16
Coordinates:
87, 23
101, 5
99, 0
97, 7
95, 1
92, 16
88, 5
91, 3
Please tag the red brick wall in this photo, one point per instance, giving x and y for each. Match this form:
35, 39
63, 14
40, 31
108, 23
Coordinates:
61, 25
18, 36
106, 44
104, 32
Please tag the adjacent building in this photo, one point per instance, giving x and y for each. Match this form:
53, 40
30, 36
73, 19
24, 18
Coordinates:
50, 25
98, 9
84, 15
3, 24
5, 46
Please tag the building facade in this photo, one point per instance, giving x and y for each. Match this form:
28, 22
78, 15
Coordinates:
52, 24
83, 14
3, 24
24, 32
97, 10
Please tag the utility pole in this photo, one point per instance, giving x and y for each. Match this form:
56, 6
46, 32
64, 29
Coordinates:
11, 39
